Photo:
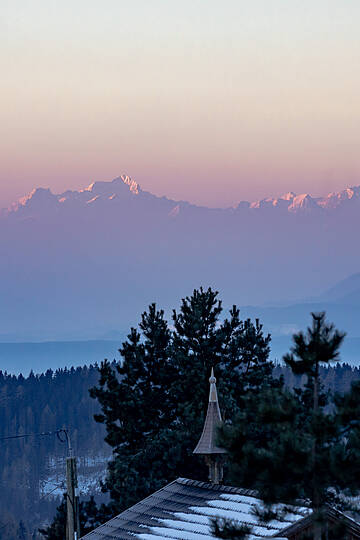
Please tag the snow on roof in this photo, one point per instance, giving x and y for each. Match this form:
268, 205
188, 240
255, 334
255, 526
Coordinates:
183, 510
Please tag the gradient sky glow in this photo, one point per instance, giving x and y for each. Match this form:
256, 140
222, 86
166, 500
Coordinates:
202, 100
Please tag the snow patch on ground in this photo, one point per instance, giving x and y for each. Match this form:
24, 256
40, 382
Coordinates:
91, 472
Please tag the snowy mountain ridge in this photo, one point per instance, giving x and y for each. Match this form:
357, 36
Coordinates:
304, 201
124, 186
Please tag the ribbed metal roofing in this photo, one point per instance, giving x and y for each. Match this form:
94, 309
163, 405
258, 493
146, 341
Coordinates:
183, 510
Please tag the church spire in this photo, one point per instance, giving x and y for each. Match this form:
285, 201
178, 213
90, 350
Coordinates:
207, 447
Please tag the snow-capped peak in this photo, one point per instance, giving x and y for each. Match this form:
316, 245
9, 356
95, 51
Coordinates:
336, 198
271, 201
107, 188
134, 186
288, 196
303, 202
37, 197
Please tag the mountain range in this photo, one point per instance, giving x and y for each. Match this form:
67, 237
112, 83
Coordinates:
110, 193
84, 264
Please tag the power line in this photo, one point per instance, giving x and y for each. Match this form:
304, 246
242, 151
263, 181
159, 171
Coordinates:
42, 434
59, 486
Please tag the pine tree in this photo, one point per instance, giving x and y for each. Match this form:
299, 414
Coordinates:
57, 529
91, 516
292, 446
136, 404
320, 346
237, 350
153, 405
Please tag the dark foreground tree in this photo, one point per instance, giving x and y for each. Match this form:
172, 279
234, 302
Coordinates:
91, 516
136, 405
153, 404
319, 346
301, 445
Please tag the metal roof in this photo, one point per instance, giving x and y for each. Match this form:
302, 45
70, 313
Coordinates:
183, 510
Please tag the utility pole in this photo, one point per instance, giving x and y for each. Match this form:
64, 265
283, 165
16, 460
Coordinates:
72, 497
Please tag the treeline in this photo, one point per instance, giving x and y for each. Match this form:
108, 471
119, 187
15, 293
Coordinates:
336, 379
60, 399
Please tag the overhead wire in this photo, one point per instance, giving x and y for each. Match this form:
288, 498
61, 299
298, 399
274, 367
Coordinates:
41, 434
58, 486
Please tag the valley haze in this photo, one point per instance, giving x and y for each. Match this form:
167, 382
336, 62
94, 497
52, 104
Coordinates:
83, 265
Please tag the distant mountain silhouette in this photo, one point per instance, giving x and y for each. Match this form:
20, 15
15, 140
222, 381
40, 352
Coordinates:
346, 291
79, 264
123, 188
342, 305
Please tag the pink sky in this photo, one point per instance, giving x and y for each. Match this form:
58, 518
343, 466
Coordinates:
197, 100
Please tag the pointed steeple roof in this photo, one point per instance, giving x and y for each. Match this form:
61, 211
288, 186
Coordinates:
207, 443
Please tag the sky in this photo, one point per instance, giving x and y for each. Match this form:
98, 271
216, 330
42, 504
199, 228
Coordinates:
208, 101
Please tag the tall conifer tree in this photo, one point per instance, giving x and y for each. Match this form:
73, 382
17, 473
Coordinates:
154, 404
319, 346
136, 404
299, 446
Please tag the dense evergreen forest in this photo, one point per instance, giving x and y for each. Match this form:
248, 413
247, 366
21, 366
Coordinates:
31, 406
336, 379
60, 399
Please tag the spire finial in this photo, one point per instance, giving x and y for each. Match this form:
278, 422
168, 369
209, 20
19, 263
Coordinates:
213, 393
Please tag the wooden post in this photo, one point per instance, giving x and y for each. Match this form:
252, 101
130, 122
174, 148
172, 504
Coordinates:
72, 501
216, 468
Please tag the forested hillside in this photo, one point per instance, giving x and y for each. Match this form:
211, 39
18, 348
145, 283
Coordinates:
337, 378
32, 468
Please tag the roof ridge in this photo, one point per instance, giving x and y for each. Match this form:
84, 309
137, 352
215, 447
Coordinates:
216, 487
